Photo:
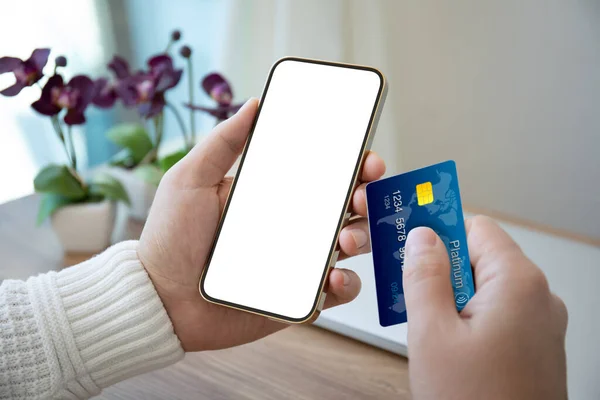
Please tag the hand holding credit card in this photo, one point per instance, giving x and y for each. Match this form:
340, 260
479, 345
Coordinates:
428, 197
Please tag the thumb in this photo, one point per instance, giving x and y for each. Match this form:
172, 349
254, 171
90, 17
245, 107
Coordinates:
208, 162
426, 278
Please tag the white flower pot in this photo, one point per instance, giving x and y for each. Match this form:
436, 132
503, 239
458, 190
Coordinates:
141, 194
85, 227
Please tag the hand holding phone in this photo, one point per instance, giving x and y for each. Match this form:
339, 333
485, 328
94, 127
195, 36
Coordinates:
313, 129
180, 230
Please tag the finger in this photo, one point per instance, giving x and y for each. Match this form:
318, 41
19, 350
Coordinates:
354, 239
344, 286
562, 312
491, 250
426, 276
209, 161
359, 200
373, 167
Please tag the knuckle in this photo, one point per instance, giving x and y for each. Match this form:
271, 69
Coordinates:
520, 272
508, 248
561, 310
496, 239
560, 304
508, 254
534, 285
539, 281
481, 219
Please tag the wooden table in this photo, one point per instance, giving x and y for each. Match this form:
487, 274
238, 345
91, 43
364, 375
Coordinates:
301, 362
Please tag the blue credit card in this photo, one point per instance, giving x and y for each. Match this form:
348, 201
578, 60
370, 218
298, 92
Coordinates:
428, 197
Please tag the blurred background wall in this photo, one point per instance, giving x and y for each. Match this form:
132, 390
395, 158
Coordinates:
509, 89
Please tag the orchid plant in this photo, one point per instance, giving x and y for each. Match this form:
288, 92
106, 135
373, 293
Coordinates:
219, 89
64, 103
146, 91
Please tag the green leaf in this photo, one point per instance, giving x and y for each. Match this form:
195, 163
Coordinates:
132, 137
149, 173
49, 204
123, 159
106, 186
59, 179
167, 162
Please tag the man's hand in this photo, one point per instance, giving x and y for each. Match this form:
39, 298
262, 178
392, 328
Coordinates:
179, 232
507, 343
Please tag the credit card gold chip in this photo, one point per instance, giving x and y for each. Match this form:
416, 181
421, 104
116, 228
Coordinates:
424, 193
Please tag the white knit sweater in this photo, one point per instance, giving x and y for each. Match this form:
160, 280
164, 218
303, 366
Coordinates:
68, 334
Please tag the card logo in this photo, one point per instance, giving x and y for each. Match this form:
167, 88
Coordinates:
461, 298
424, 193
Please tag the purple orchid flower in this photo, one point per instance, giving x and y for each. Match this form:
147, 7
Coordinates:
119, 67
219, 89
26, 72
105, 91
74, 97
146, 89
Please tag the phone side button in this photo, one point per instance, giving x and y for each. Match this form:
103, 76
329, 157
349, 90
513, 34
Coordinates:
336, 254
322, 302
347, 218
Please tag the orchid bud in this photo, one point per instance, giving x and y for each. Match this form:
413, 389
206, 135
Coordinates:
60, 61
185, 52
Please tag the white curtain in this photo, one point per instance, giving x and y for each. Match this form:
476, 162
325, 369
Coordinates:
257, 33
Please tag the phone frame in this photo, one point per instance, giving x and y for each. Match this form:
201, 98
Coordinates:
344, 216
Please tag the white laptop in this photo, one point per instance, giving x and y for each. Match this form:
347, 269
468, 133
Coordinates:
359, 319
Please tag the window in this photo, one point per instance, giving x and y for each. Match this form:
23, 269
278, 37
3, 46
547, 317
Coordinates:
88, 33
27, 141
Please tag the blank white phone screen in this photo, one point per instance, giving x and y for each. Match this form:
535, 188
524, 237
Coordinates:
277, 233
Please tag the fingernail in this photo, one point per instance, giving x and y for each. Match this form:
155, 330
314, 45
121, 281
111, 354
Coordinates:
360, 237
346, 278
420, 238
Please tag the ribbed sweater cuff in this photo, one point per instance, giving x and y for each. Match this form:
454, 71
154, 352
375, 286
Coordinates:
105, 318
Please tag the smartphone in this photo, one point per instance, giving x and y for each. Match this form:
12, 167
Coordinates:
278, 235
